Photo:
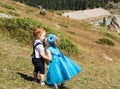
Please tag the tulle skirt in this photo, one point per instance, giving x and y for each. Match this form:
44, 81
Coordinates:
61, 68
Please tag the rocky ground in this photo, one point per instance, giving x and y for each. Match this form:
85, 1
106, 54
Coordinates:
87, 14
5, 15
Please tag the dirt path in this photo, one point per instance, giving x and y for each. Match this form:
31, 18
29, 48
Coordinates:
87, 14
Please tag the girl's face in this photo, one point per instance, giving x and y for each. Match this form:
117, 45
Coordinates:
42, 36
47, 42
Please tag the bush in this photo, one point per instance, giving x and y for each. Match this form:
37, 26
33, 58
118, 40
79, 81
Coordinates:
13, 13
68, 46
1, 11
104, 41
110, 35
27, 24
22, 29
7, 6
63, 24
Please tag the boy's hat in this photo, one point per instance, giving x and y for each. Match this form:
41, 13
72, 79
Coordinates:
51, 39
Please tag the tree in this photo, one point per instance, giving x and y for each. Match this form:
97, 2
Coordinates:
69, 4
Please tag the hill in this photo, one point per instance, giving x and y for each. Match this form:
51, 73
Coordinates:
87, 14
70, 5
100, 63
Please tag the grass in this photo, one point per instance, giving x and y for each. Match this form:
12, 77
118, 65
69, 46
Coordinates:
7, 6
16, 69
98, 73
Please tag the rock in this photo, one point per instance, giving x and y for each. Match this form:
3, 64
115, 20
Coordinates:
107, 57
5, 16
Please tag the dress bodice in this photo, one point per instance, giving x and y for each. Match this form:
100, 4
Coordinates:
54, 50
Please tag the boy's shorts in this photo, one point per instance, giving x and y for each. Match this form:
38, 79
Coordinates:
38, 65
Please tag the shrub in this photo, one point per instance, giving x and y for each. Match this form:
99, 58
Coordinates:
59, 13
104, 41
22, 29
7, 6
15, 23
13, 13
63, 24
1, 11
68, 45
109, 35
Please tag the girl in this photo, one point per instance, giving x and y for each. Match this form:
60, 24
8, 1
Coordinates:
38, 55
61, 67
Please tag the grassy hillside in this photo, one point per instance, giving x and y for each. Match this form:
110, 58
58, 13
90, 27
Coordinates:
99, 72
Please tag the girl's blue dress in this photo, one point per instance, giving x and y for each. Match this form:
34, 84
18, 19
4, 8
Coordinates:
61, 67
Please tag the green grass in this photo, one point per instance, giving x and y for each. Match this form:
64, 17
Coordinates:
104, 41
16, 69
63, 24
1, 11
110, 35
7, 6
15, 61
13, 13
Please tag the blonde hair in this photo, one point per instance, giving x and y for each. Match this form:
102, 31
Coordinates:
57, 42
38, 31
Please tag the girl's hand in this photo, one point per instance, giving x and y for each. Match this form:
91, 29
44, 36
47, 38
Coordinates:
47, 62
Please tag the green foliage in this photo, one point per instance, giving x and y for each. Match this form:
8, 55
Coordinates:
15, 23
30, 11
71, 32
59, 13
7, 6
22, 29
109, 35
63, 24
1, 11
13, 13
70, 4
104, 41
110, 6
68, 46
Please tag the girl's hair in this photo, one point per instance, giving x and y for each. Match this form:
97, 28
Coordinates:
57, 42
38, 31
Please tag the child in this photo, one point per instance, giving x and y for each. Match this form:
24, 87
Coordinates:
61, 67
38, 55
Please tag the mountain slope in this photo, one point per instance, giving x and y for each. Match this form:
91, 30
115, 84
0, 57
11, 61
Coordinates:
98, 70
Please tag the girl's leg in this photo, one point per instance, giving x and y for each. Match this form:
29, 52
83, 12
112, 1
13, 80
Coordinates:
62, 85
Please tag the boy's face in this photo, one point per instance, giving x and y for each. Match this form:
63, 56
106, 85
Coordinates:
42, 36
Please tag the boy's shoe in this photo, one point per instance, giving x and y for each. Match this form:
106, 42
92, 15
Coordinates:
34, 80
42, 83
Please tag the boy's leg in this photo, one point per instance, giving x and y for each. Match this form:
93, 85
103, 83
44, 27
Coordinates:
42, 75
42, 79
35, 75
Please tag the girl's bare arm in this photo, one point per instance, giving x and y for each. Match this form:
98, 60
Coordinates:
47, 56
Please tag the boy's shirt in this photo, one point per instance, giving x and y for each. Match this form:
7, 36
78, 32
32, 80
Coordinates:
38, 48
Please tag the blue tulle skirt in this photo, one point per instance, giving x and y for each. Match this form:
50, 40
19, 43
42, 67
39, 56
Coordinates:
60, 69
